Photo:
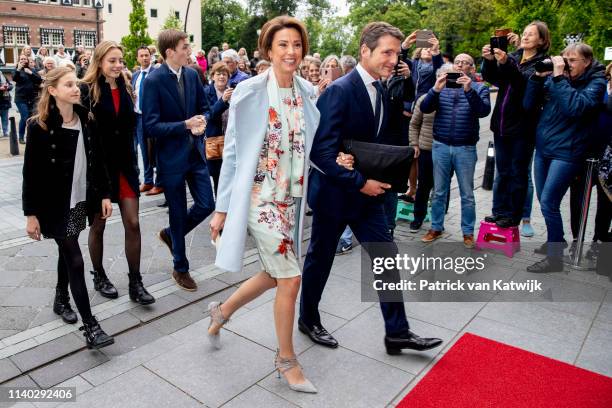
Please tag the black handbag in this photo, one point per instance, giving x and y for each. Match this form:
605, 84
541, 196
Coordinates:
385, 163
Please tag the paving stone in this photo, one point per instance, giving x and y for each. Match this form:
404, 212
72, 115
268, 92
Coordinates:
119, 323
343, 379
29, 296
12, 278
125, 362
68, 367
258, 325
40, 355
521, 338
180, 319
8, 370
16, 318
595, 354
77, 382
257, 397
205, 288
202, 372
132, 339
451, 315
342, 298
161, 306
136, 388
365, 333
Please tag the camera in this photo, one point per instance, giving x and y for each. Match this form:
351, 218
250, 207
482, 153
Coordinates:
451, 80
499, 43
548, 66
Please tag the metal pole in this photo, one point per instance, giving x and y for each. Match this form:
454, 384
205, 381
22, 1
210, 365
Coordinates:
186, 15
586, 202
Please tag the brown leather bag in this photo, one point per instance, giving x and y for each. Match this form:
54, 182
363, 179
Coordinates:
214, 147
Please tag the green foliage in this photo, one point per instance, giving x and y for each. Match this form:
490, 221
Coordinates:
172, 21
223, 21
138, 33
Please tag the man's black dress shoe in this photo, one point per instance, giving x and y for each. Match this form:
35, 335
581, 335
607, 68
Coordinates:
318, 334
546, 265
409, 340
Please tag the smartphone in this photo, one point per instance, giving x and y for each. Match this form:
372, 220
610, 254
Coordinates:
421, 38
397, 65
451, 80
500, 43
331, 73
502, 32
233, 85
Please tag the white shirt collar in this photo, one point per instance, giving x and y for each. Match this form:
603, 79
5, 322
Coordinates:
365, 76
177, 73
149, 69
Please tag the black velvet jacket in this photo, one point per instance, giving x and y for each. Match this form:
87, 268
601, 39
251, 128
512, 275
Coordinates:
48, 169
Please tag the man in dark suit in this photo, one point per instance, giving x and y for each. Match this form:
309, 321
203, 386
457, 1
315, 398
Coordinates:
353, 106
147, 147
173, 113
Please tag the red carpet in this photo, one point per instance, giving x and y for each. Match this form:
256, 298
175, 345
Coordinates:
478, 372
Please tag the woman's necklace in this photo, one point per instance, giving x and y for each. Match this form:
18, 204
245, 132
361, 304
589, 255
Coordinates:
71, 121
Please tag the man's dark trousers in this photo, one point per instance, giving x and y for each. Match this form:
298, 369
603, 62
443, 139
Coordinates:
370, 225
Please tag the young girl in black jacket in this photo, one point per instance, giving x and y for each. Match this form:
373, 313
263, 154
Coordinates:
108, 95
62, 182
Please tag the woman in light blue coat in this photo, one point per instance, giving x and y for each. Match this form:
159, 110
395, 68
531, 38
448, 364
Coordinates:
263, 183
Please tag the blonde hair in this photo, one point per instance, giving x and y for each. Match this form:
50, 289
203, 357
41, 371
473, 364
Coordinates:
45, 101
94, 72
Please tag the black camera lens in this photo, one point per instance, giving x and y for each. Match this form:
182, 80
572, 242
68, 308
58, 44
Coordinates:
544, 66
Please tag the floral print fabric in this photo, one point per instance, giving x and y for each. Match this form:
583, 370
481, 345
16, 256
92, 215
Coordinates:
279, 183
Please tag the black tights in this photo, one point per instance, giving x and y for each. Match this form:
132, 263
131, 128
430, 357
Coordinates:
70, 270
129, 215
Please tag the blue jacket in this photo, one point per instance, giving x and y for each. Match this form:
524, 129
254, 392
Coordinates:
569, 112
346, 112
237, 77
217, 108
423, 75
164, 115
457, 113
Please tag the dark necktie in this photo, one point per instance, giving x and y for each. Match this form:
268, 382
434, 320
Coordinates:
181, 88
140, 88
377, 111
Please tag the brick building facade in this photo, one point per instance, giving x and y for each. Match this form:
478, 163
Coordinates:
48, 23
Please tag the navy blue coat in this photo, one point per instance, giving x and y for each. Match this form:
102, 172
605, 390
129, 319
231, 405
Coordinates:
569, 112
346, 112
457, 113
509, 119
217, 107
164, 115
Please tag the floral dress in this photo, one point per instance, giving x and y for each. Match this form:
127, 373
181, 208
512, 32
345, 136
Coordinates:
278, 186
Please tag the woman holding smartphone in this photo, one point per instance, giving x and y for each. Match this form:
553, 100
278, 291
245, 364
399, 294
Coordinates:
63, 181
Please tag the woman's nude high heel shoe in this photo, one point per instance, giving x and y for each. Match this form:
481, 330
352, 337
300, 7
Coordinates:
285, 364
214, 308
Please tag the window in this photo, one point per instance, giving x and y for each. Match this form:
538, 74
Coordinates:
177, 14
191, 38
51, 38
110, 8
85, 38
87, 3
15, 38
153, 13
76, 2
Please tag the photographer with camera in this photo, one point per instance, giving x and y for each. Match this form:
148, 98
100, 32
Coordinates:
569, 90
513, 128
27, 85
459, 103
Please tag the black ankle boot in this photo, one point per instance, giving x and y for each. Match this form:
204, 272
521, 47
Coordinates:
61, 306
137, 291
94, 335
103, 285
546, 265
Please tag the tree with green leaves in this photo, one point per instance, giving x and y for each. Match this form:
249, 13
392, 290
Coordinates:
223, 21
172, 21
138, 33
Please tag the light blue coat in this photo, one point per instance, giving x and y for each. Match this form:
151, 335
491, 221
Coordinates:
244, 137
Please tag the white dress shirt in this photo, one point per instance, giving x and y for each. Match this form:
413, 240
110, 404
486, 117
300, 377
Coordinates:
368, 80
137, 88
